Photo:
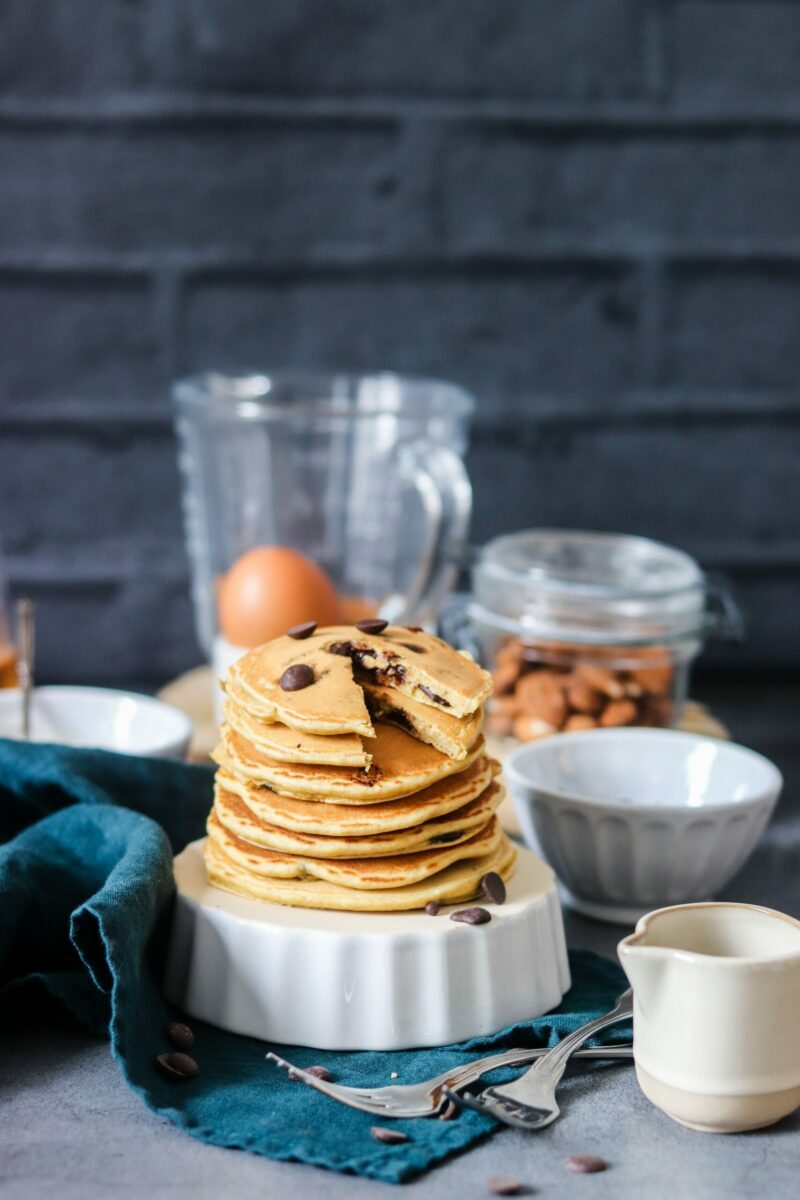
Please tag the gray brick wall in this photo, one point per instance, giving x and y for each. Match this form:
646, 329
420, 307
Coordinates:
587, 211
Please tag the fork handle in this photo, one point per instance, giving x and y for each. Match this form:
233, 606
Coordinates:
554, 1063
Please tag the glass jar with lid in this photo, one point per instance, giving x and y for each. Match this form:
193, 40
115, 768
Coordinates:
589, 630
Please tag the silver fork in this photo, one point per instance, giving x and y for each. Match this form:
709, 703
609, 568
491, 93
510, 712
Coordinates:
529, 1102
426, 1098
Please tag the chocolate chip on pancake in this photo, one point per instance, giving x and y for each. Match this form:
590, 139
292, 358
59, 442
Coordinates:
297, 677
371, 625
300, 632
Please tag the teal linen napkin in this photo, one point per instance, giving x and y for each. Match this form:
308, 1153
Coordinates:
85, 888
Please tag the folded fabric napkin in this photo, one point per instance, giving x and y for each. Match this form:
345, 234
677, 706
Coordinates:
85, 886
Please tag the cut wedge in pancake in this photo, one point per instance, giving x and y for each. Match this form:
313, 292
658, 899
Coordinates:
363, 820
419, 665
396, 870
456, 883
400, 766
235, 816
295, 745
333, 703
454, 736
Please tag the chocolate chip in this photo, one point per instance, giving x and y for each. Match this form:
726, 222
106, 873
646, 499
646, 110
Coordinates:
449, 1111
442, 839
372, 625
504, 1185
302, 631
415, 629
392, 1137
471, 916
585, 1164
493, 888
318, 1072
432, 696
178, 1066
180, 1035
432, 908
344, 648
412, 647
298, 676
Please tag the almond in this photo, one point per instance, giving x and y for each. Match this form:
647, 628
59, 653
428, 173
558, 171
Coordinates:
527, 728
504, 677
601, 680
584, 699
541, 694
579, 721
619, 712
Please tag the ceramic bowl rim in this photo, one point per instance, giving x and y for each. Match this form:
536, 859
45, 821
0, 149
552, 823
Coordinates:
518, 776
179, 738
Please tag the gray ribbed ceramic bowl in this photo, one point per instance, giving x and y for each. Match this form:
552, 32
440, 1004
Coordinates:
637, 819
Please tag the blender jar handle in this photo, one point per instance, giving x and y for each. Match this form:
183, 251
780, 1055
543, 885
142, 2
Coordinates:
442, 483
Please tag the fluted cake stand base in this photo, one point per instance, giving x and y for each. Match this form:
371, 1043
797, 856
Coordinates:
364, 981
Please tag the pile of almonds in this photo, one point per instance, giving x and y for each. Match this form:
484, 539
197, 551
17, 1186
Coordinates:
543, 689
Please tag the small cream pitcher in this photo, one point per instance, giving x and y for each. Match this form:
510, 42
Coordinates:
716, 1018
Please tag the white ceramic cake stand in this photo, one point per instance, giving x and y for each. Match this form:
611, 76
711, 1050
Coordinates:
364, 981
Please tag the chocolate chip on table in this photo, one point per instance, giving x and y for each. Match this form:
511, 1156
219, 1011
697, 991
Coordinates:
432, 908
178, 1066
372, 625
302, 631
585, 1164
449, 1111
504, 1185
493, 888
317, 1072
471, 916
392, 1137
180, 1035
296, 677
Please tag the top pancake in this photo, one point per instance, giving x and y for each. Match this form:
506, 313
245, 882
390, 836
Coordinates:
417, 664
454, 736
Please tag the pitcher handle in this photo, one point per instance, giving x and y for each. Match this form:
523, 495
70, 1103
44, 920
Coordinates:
442, 484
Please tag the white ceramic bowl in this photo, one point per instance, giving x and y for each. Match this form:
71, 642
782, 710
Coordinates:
637, 819
99, 718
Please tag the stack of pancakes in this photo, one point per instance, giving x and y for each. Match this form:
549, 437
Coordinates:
353, 773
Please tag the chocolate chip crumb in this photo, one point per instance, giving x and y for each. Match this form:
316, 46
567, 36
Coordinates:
178, 1066
586, 1164
318, 1072
493, 888
432, 696
449, 1111
392, 1137
372, 625
296, 677
432, 908
180, 1035
504, 1185
471, 916
302, 631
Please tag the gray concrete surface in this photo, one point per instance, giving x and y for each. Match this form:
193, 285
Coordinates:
71, 1129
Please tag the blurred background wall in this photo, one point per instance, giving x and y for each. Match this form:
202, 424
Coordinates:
586, 211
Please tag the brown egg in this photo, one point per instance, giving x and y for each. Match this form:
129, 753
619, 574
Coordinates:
270, 589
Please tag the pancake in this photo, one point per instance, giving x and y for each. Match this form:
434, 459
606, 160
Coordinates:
419, 665
237, 818
458, 882
333, 704
454, 736
371, 820
400, 766
295, 745
395, 870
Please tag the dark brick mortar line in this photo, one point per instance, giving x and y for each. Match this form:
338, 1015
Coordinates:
204, 109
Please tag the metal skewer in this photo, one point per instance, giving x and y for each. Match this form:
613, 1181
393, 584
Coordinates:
26, 642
